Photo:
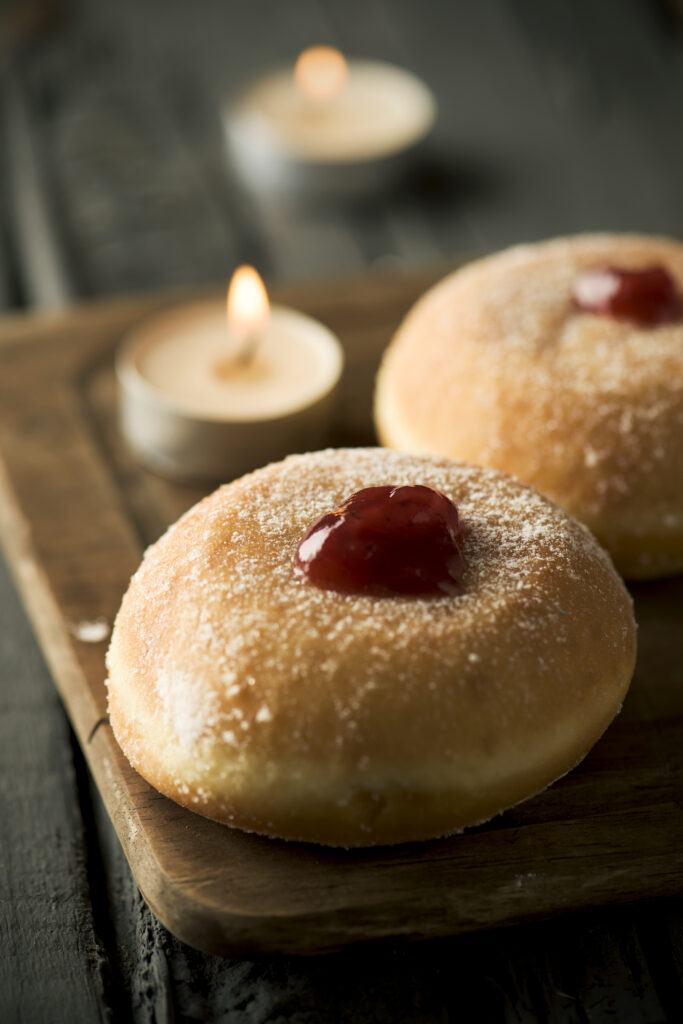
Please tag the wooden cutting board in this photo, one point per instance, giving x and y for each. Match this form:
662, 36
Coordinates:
76, 513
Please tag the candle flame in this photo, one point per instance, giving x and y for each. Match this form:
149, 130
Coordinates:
248, 306
320, 72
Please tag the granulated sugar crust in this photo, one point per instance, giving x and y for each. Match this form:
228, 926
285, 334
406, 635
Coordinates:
240, 689
496, 365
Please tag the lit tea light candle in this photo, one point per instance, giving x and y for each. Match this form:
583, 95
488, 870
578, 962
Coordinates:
328, 126
202, 399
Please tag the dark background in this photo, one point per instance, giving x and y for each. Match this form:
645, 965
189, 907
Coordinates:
554, 117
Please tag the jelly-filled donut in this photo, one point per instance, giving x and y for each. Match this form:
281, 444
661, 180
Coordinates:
562, 364
359, 647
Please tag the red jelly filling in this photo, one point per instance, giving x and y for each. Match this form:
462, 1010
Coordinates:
647, 297
384, 541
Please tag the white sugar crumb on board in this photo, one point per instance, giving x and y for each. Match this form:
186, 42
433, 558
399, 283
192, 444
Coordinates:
227, 631
90, 631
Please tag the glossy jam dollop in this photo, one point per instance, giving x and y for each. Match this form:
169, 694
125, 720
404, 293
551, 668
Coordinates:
386, 541
647, 297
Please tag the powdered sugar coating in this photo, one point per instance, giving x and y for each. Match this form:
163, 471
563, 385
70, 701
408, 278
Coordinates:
497, 365
237, 659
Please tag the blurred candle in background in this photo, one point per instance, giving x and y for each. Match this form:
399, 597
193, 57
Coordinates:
328, 128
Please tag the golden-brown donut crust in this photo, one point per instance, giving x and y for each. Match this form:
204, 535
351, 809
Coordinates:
496, 365
242, 691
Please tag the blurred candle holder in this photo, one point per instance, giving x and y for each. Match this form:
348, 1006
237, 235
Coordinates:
328, 129
205, 399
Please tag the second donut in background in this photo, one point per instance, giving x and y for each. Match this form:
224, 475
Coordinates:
561, 363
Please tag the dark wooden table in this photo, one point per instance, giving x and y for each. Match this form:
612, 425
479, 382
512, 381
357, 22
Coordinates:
554, 117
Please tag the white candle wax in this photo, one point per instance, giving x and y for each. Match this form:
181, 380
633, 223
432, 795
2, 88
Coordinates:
282, 139
192, 409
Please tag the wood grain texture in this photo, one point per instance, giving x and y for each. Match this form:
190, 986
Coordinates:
46, 923
75, 515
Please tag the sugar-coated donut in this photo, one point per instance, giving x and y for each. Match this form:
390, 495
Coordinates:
498, 366
244, 692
